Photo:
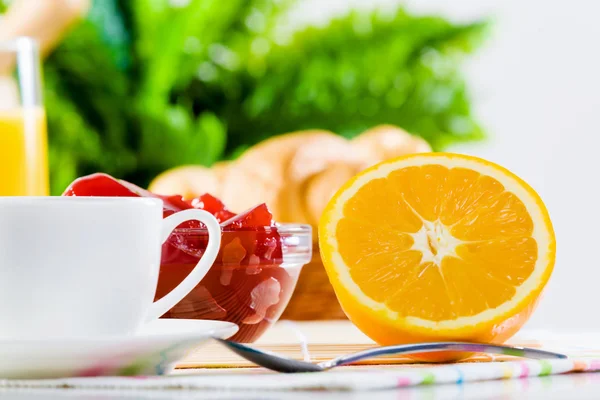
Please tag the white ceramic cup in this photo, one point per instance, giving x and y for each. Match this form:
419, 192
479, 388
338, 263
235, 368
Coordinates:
87, 266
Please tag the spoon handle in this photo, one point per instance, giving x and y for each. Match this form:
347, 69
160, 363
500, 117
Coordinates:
441, 346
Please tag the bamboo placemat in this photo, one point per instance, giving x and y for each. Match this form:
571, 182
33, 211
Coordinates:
319, 341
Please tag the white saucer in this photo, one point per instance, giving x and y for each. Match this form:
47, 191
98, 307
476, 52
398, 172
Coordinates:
153, 351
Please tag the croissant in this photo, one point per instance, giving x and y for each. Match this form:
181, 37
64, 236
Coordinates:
295, 174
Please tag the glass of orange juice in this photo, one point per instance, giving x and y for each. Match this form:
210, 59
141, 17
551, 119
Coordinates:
23, 137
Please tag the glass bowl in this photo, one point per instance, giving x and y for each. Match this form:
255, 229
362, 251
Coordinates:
251, 281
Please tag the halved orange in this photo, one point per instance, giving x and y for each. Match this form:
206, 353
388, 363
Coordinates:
437, 246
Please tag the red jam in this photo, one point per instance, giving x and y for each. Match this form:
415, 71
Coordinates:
246, 285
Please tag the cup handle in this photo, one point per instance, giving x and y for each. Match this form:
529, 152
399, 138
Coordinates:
159, 307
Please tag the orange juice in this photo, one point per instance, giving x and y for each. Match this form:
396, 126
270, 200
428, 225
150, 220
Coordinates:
23, 152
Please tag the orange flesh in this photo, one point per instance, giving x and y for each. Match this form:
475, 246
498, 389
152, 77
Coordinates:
476, 243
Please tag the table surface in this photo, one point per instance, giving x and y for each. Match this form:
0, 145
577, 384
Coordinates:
578, 385
572, 386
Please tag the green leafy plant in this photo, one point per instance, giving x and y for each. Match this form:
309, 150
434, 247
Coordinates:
140, 86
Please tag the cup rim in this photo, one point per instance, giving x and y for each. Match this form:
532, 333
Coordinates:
90, 200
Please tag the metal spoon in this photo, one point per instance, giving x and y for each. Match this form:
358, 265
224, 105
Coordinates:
279, 363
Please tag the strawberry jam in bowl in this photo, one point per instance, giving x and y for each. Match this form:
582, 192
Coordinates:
256, 270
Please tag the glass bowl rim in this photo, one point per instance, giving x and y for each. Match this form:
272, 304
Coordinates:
282, 229
297, 240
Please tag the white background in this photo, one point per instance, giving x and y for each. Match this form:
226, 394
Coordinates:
536, 88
